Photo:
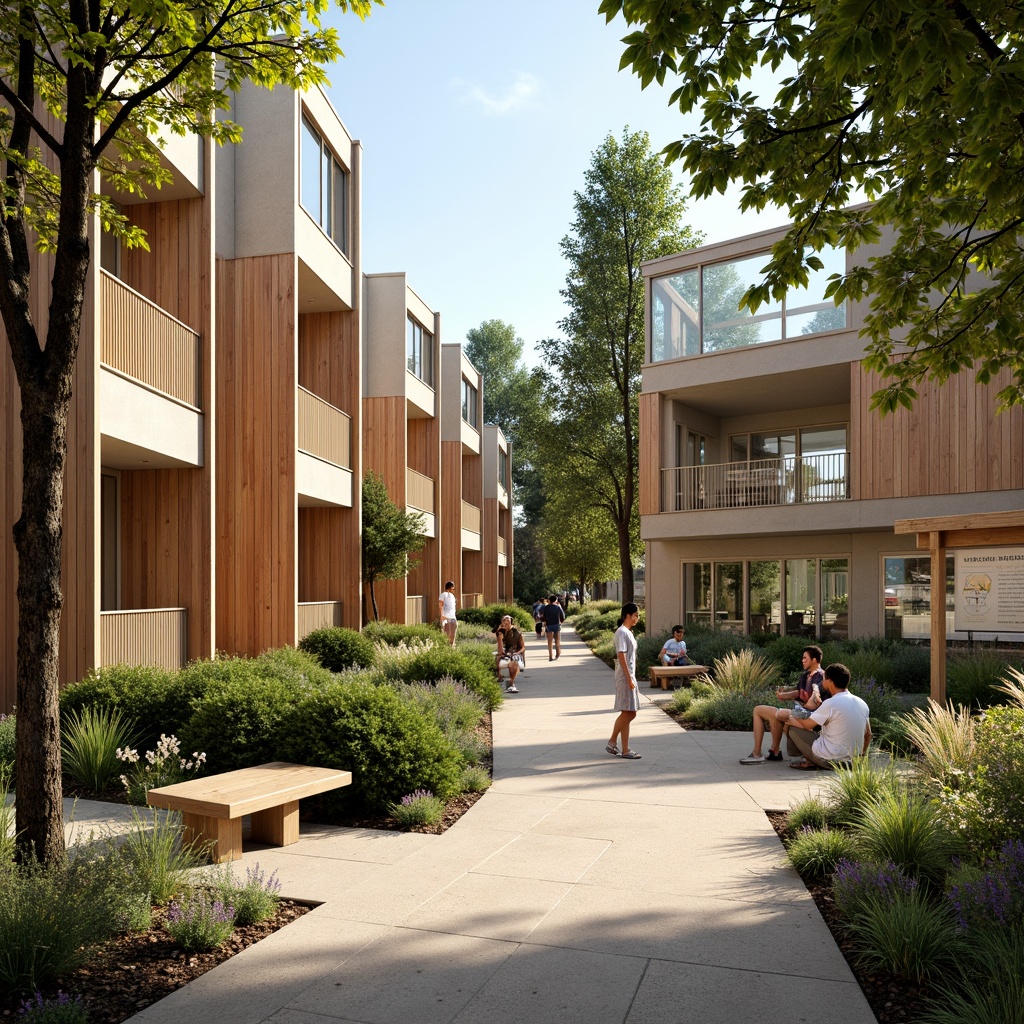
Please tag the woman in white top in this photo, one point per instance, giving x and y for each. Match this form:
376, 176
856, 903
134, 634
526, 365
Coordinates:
446, 605
627, 694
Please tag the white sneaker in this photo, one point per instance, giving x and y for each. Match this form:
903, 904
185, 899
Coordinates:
511, 689
753, 759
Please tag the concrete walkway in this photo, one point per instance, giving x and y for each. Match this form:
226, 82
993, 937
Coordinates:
582, 887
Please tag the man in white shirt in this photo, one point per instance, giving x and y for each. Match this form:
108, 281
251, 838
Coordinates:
446, 606
844, 721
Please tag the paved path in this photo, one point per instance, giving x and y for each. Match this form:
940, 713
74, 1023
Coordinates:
581, 888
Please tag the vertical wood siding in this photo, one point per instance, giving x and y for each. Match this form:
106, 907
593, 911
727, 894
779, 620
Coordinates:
452, 486
650, 454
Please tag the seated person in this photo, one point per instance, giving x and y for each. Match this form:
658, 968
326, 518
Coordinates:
511, 651
845, 726
674, 651
807, 695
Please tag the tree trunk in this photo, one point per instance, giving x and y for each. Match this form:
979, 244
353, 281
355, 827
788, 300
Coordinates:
37, 537
625, 560
373, 602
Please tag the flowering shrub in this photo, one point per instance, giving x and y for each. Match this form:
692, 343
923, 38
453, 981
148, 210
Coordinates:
200, 923
883, 702
858, 882
404, 650
61, 1009
254, 900
418, 808
996, 897
161, 767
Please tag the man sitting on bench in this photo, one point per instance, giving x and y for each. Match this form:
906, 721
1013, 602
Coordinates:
674, 651
845, 726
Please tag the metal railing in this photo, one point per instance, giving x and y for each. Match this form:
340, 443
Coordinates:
419, 491
146, 636
312, 615
472, 518
146, 343
788, 480
324, 431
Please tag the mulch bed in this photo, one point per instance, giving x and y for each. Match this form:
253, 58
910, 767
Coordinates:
133, 971
893, 1000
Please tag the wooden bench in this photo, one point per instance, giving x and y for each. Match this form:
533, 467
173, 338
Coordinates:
212, 808
663, 673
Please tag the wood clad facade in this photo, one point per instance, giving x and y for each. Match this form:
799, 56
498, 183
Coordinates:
649, 496
452, 486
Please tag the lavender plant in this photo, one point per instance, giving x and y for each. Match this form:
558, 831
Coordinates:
420, 807
255, 899
199, 922
61, 1009
857, 883
994, 898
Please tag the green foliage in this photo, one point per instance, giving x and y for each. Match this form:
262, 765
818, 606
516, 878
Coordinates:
6, 819
944, 740
786, 652
254, 899
390, 535
747, 672
337, 648
816, 852
90, 739
490, 615
151, 700
868, 664
418, 808
154, 855
61, 1009
705, 647
8, 745
850, 790
291, 665
199, 921
893, 736
394, 633
926, 144
911, 668
474, 779
972, 679
390, 746
162, 766
51, 919
726, 709
236, 723
810, 813
463, 666
455, 709
883, 701
905, 828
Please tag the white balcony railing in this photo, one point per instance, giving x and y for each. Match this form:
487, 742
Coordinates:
788, 480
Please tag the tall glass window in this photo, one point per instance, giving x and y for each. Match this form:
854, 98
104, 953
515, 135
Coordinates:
503, 468
765, 597
907, 597
729, 610
469, 403
801, 596
419, 350
697, 593
835, 598
323, 185
697, 310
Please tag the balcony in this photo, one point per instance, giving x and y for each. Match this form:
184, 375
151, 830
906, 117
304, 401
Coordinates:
324, 467
789, 480
316, 615
472, 527
415, 609
502, 551
151, 636
472, 600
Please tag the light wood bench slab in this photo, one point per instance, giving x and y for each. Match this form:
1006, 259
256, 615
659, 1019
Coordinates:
212, 808
663, 673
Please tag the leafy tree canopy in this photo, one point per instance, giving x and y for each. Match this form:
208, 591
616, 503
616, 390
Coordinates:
915, 105
390, 535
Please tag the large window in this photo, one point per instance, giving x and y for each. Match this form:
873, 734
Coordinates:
907, 597
698, 310
503, 468
419, 350
323, 186
470, 403
809, 464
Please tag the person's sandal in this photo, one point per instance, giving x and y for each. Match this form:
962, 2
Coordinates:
804, 766
612, 749
631, 755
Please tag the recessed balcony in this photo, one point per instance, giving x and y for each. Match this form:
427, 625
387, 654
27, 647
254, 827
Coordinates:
324, 464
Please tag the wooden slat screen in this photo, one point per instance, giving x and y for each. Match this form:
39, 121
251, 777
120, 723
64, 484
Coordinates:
471, 518
419, 491
144, 342
153, 636
324, 431
414, 610
316, 615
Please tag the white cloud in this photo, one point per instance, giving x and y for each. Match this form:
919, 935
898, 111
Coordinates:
522, 93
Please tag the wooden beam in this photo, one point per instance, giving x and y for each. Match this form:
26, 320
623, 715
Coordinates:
970, 521
938, 603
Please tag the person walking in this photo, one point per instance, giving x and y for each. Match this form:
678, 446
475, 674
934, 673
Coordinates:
627, 693
446, 606
554, 616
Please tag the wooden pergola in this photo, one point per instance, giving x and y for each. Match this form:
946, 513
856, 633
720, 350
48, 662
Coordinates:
937, 533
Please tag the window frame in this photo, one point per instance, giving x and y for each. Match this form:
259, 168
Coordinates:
331, 216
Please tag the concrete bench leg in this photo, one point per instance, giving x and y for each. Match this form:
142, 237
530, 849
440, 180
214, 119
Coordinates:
223, 834
276, 826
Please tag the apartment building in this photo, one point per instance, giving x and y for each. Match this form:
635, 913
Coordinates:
233, 382
768, 487
401, 437
497, 517
462, 481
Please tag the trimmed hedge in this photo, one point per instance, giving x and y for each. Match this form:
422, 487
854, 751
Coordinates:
337, 648
491, 615
468, 667
394, 633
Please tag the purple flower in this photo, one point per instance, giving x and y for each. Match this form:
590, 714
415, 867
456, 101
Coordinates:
419, 794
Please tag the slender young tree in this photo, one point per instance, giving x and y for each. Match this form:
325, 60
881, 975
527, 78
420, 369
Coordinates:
629, 211
390, 536
914, 105
85, 88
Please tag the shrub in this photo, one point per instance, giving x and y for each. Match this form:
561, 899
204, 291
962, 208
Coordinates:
163, 766
851, 789
857, 883
199, 923
973, 679
647, 650
870, 664
389, 745
906, 829
418, 808
50, 920
705, 647
490, 615
944, 739
815, 852
90, 739
149, 699
883, 702
468, 668
6, 819
394, 633
456, 709
236, 723
472, 748
337, 648
911, 668
905, 934
292, 665
786, 652
8, 745
747, 672
474, 779
256, 899
61, 1009
726, 709
992, 897
153, 854
810, 813
893, 736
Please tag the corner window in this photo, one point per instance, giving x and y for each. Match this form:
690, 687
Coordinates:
419, 350
323, 186
470, 403
503, 468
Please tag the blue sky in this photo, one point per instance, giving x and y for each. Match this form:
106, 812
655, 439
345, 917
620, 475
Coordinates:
478, 120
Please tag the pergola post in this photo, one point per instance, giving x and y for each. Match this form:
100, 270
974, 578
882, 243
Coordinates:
937, 547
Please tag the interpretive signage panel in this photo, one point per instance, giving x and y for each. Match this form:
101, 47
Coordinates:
990, 590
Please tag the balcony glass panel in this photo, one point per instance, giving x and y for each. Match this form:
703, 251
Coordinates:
675, 329
835, 587
725, 325
309, 160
